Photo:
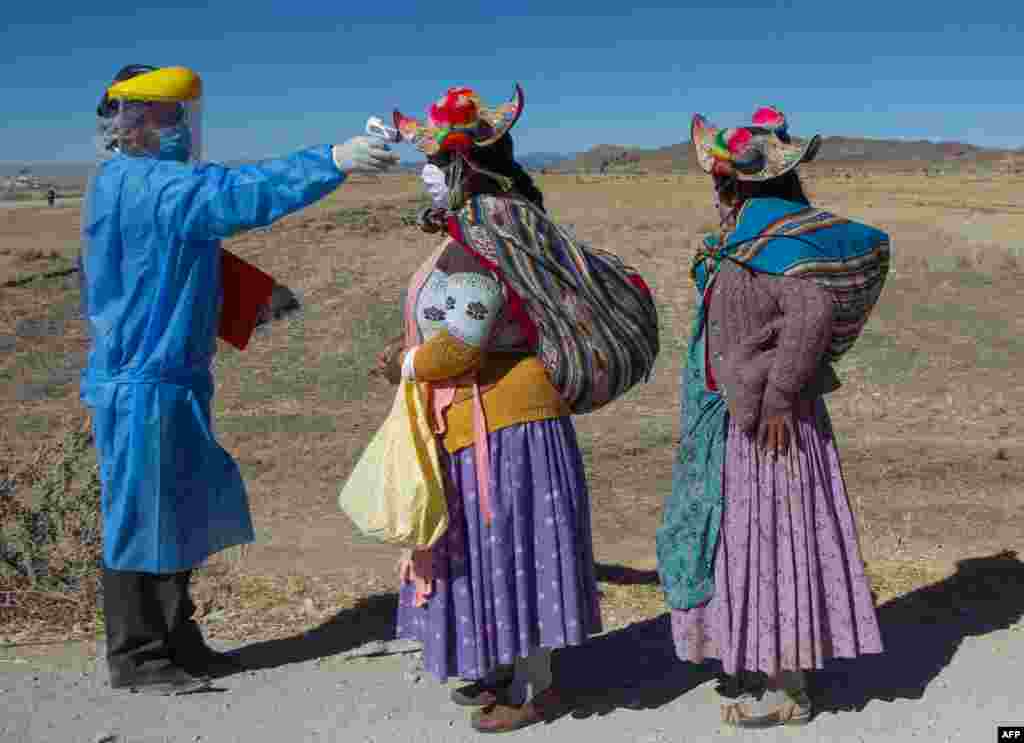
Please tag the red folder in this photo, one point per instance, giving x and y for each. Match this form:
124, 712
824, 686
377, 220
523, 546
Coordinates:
247, 290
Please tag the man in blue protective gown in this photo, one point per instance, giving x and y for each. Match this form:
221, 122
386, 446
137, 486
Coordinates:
154, 218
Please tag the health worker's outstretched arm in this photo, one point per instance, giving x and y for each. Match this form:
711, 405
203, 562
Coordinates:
213, 201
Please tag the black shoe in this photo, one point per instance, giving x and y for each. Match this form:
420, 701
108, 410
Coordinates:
165, 680
190, 651
205, 661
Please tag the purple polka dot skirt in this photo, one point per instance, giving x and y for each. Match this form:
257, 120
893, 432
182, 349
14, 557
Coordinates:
525, 582
790, 588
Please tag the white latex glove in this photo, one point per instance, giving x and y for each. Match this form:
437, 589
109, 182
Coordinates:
363, 155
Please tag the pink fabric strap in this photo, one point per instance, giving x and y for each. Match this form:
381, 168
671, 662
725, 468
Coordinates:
483, 455
412, 332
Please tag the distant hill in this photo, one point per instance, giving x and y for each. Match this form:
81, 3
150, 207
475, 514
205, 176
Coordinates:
835, 152
603, 156
539, 160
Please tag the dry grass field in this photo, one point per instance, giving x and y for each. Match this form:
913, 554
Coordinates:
927, 418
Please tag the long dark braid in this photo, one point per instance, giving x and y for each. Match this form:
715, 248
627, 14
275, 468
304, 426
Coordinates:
500, 158
490, 166
787, 187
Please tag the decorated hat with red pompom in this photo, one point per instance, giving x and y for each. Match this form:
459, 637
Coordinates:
458, 121
758, 152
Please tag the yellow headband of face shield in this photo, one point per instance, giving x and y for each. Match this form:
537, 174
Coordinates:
170, 84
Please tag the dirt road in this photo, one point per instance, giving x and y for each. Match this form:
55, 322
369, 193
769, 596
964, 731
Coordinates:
937, 683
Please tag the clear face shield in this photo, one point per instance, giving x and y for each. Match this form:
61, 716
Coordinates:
153, 112
166, 130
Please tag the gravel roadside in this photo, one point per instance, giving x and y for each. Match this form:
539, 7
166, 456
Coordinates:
936, 683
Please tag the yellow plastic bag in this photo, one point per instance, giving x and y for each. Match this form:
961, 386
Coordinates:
396, 491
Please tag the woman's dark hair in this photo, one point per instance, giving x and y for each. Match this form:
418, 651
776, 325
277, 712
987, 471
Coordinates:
788, 187
500, 158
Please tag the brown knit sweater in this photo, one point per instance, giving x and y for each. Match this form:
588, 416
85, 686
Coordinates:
767, 337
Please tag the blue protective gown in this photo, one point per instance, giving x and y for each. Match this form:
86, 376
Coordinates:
152, 295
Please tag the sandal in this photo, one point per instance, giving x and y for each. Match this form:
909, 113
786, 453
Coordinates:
504, 718
795, 709
480, 694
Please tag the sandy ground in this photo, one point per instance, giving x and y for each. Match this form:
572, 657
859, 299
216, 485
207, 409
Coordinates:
625, 686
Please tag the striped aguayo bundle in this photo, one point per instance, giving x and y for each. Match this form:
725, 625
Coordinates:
596, 321
848, 259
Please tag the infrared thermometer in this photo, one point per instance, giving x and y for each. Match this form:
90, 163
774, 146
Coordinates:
375, 127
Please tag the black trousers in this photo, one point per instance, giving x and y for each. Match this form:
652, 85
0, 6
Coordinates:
148, 621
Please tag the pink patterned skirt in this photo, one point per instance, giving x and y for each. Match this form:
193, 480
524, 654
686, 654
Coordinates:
790, 588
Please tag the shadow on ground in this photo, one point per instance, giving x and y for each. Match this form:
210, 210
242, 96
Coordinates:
922, 631
625, 576
635, 667
372, 619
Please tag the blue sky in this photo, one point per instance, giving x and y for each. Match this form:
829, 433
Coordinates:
282, 75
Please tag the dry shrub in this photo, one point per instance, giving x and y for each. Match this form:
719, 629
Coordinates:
378, 218
51, 539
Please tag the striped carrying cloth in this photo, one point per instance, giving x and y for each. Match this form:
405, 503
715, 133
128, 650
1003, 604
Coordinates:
849, 259
595, 321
